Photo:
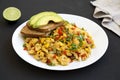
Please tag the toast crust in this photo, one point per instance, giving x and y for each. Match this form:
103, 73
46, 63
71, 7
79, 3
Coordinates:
33, 33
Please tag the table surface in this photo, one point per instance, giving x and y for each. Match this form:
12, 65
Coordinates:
12, 67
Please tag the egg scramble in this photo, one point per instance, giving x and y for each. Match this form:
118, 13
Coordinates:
64, 45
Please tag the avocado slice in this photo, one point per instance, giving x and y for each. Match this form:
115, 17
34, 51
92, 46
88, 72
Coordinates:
44, 20
36, 17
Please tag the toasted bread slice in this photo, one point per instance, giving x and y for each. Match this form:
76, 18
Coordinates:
33, 33
49, 27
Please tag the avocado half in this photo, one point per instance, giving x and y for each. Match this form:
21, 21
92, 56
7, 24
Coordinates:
43, 18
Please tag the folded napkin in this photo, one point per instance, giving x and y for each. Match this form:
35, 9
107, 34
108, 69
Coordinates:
109, 10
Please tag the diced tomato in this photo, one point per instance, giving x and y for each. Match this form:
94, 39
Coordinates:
62, 28
77, 53
57, 37
48, 61
71, 60
50, 49
75, 25
73, 28
78, 33
25, 48
64, 52
54, 56
60, 31
88, 41
83, 55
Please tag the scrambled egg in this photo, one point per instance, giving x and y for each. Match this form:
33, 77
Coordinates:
64, 45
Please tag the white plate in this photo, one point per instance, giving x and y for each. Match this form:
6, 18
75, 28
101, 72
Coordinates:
99, 36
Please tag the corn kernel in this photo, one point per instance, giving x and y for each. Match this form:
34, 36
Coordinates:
46, 45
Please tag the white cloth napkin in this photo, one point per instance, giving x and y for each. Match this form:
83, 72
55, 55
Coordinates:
109, 10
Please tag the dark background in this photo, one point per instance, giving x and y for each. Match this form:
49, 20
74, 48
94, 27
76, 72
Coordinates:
12, 67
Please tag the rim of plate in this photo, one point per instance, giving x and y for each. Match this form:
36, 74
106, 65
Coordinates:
94, 31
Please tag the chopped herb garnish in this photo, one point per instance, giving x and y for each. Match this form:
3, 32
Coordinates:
80, 44
73, 46
82, 28
52, 33
66, 22
61, 40
24, 45
50, 64
58, 52
69, 37
80, 38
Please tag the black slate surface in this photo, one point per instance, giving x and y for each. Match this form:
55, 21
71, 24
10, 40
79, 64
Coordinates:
12, 67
